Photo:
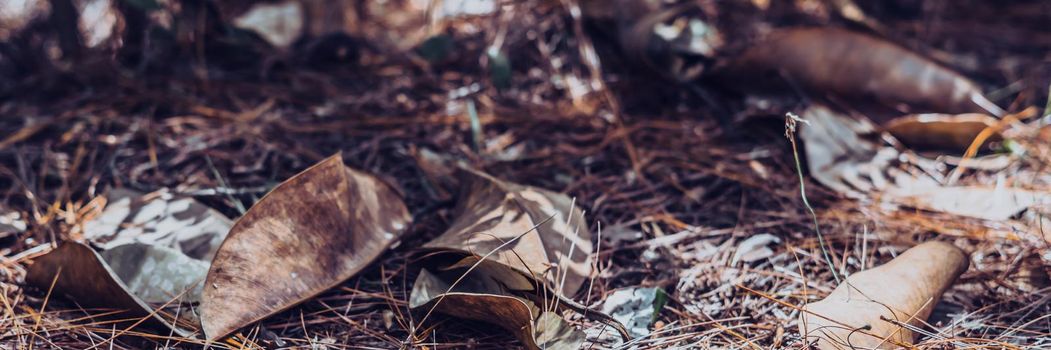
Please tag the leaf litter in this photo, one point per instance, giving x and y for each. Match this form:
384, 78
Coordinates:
683, 187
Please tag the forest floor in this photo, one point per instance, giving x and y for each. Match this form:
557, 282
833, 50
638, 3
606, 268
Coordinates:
675, 183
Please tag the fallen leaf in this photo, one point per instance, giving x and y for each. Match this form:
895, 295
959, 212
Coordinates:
157, 274
636, 308
842, 155
156, 249
158, 219
855, 314
989, 203
941, 131
492, 212
508, 241
280, 23
85, 277
536, 328
831, 60
310, 233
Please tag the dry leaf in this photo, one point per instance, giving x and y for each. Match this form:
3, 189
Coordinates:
158, 219
636, 308
81, 274
155, 252
830, 60
919, 277
310, 233
840, 156
280, 24
508, 240
941, 131
492, 212
987, 203
536, 328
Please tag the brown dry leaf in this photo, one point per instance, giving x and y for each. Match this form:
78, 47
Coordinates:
156, 249
830, 60
492, 212
475, 299
507, 241
919, 275
85, 277
941, 131
310, 233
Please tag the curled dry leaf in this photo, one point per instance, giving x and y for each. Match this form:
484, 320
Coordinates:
941, 131
474, 299
508, 240
83, 275
491, 212
842, 155
310, 233
830, 60
155, 253
855, 314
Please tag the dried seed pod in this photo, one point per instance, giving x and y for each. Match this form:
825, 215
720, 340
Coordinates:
865, 311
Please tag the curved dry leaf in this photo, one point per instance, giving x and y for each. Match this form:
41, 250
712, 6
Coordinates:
858, 65
941, 131
536, 329
492, 212
312, 232
840, 157
80, 273
158, 219
919, 275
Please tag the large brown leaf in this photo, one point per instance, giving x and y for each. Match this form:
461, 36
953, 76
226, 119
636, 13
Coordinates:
492, 212
310, 233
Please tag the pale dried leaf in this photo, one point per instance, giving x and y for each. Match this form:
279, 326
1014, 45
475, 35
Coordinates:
280, 24
159, 219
